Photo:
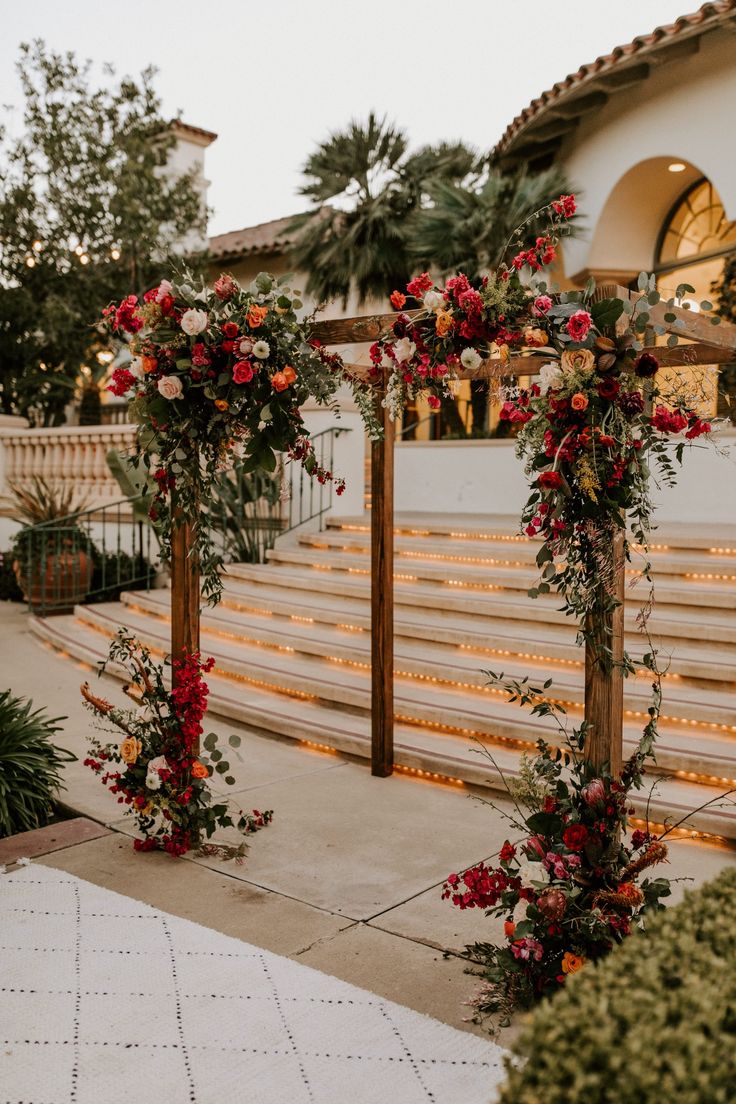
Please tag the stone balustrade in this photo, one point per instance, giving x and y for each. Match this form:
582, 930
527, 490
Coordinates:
73, 456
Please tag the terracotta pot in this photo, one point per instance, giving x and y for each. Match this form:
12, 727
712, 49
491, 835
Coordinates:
58, 584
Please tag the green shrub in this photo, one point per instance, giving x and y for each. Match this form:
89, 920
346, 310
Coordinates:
30, 765
654, 1022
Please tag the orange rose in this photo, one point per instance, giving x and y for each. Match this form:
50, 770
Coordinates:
509, 927
148, 363
256, 316
443, 323
221, 404
199, 770
130, 749
579, 401
571, 963
289, 374
279, 381
535, 337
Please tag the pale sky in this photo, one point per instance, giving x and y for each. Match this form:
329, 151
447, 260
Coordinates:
275, 77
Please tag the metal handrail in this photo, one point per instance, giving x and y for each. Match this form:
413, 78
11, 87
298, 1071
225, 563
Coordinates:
89, 556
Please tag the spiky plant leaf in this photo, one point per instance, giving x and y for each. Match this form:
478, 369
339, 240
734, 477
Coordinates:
30, 765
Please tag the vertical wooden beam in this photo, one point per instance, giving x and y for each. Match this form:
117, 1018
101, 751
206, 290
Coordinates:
185, 591
604, 684
382, 598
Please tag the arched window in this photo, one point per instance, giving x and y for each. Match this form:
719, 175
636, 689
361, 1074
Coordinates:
695, 240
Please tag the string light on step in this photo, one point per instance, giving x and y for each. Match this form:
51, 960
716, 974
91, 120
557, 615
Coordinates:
428, 776
723, 551
705, 779
678, 833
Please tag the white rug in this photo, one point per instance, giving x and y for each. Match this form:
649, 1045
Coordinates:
104, 1000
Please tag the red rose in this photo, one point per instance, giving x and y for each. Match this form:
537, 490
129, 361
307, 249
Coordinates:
166, 303
608, 388
646, 366
507, 852
578, 325
575, 837
230, 329
550, 479
243, 372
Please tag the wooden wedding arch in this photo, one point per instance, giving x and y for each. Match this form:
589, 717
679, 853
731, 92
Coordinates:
708, 344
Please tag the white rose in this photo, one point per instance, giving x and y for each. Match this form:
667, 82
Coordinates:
471, 358
404, 350
136, 368
550, 376
153, 778
194, 322
170, 387
261, 349
520, 909
386, 362
531, 872
434, 301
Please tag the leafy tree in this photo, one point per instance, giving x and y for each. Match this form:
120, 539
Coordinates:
366, 186
87, 214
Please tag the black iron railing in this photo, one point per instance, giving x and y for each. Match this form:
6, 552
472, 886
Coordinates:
94, 555
90, 556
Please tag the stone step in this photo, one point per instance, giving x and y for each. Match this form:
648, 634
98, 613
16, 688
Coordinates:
500, 555
445, 756
704, 749
719, 539
695, 595
667, 622
438, 662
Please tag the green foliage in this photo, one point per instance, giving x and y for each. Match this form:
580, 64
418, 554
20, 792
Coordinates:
244, 511
9, 589
30, 765
84, 174
724, 292
366, 187
654, 1022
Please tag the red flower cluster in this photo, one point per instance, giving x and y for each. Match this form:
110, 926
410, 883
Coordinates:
542, 253
189, 694
478, 887
122, 381
565, 206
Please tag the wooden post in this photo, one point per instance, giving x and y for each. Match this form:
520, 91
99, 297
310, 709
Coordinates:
185, 591
604, 684
382, 598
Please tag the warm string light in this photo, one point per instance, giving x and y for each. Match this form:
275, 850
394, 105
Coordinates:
678, 833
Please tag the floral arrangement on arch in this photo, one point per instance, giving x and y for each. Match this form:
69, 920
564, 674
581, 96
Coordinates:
217, 379
155, 769
593, 425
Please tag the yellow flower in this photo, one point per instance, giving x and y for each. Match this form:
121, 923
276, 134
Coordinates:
535, 337
577, 360
571, 963
443, 323
130, 749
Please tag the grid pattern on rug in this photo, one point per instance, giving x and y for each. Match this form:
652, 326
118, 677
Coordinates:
104, 1000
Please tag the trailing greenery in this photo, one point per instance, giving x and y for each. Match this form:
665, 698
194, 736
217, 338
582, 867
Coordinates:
30, 765
654, 1022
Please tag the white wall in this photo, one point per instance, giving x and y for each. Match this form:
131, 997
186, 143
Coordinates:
485, 477
349, 456
617, 158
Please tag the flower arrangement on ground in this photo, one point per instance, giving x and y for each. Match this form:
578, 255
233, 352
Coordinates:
217, 378
570, 887
156, 770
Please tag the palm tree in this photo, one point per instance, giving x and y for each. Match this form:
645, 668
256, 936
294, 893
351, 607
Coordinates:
469, 226
366, 188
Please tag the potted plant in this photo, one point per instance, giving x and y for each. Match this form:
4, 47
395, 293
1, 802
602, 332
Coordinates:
52, 554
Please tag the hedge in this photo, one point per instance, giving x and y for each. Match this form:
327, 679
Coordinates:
653, 1023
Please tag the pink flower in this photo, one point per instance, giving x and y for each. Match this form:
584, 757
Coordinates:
225, 287
527, 950
541, 305
578, 325
164, 290
594, 791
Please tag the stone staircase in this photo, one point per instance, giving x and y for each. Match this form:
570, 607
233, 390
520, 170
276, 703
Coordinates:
292, 646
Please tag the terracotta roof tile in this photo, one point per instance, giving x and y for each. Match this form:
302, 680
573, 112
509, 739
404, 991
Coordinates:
708, 16
266, 237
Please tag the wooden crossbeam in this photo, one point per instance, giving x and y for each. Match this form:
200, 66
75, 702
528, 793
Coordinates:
687, 323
